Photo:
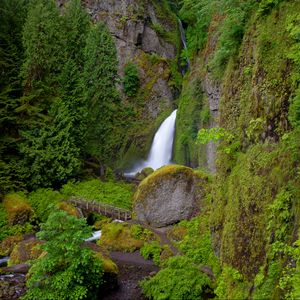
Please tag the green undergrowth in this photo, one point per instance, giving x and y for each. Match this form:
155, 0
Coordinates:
158, 253
181, 276
113, 193
180, 279
197, 243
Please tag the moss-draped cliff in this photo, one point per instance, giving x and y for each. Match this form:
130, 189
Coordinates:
246, 65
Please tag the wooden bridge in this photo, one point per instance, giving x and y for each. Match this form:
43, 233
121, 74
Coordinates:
102, 209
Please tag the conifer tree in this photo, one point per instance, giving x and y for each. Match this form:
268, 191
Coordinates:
104, 106
12, 16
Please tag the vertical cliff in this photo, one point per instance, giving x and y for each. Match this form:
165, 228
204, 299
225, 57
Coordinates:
147, 41
244, 78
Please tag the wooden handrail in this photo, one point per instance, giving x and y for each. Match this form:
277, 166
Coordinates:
101, 208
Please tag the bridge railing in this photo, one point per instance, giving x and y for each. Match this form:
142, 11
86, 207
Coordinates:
103, 209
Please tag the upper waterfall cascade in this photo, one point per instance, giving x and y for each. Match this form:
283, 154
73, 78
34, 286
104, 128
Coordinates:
162, 146
183, 41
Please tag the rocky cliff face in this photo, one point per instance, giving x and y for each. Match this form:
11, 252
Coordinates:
144, 32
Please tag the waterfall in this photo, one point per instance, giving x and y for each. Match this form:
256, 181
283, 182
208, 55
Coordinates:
183, 41
161, 149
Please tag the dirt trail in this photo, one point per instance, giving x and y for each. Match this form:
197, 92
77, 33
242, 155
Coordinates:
132, 269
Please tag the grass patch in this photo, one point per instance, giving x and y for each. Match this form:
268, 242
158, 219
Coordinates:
113, 193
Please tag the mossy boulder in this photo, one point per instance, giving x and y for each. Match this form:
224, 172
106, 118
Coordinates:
144, 173
168, 195
8, 244
68, 208
124, 237
18, 209
24, 251
108, 265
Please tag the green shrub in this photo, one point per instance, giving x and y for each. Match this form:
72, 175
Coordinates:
265, 6
131, 79
67, 270
152, 251
231, 285
42, 201
181, 279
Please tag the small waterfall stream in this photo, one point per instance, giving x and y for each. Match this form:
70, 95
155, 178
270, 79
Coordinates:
161, 149
183, 41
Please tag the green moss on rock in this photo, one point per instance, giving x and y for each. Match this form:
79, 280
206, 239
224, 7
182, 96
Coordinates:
124, 237
168, 195
18, 209
24, 251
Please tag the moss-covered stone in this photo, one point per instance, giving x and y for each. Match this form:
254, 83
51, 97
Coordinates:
18, 209
68, 208
108, 265
168, 195
144, 173
124, 237
7, 245
24, 251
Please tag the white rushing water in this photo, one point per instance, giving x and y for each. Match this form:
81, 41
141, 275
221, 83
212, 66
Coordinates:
183, 41
161, 149
96, 236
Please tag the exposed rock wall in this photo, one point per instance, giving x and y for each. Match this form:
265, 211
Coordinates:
138, 29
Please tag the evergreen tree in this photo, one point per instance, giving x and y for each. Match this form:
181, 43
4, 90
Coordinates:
12, 16
105, 132
53, 148
76, 25
43, 43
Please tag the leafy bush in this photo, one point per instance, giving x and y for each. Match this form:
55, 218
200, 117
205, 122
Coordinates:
67, 270
181, 279
231, 285
41, 201
197, 244
152, 251
131, 79
265, 6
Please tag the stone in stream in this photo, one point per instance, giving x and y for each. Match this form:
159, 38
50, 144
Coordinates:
170, 194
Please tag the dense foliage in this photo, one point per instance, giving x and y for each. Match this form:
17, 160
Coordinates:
67, 270
59, 103
179, 280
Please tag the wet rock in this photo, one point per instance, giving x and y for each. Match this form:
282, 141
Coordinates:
144, 173
168, 195
12, 286
20, 269
25, 250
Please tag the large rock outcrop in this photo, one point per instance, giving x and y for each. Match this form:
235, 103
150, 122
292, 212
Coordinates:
141, 30
168, 195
